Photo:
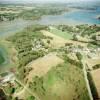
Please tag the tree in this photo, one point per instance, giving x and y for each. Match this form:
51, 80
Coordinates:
48, 41
31, 98
79, 56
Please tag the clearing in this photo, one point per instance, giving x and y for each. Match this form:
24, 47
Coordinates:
64, 35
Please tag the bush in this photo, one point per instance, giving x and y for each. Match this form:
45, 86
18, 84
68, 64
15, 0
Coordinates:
96, 66
31, 98
79, 56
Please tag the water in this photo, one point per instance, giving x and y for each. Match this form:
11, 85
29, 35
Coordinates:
68, 18
73, 18
10, 27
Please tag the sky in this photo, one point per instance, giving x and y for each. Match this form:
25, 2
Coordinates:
29, 1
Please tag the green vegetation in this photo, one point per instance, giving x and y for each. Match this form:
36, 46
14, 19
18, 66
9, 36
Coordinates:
67, 28
84, 30
1, 58
60, 33
32, 13
30, 98
9, 89
96, 66
7, 16
37, 13
88, 30
63, 82
24, 42
66, 77
79, 56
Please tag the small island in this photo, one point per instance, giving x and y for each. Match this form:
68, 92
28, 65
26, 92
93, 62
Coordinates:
98, 17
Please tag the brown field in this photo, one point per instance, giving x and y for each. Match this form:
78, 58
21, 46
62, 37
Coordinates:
59, 41
96, 78
42, 65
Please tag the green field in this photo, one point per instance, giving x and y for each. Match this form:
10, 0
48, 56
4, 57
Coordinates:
63, 82
64, 35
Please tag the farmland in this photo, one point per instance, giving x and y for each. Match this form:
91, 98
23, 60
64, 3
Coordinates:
59, 33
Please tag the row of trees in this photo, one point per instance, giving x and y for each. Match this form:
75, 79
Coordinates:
7, 16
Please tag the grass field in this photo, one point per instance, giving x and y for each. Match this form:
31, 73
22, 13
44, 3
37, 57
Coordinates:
62, 82
64, 35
